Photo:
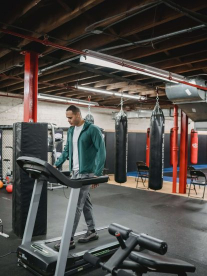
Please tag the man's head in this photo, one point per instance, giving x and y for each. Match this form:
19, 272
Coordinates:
73, 114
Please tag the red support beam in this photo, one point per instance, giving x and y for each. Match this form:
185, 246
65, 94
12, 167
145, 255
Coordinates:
30, 87
175, 149
186, 154
183, 153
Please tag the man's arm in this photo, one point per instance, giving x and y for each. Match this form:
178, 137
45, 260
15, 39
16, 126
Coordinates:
64, 155
99, 144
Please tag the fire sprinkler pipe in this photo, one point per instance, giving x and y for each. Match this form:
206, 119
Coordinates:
175, 149
46, 42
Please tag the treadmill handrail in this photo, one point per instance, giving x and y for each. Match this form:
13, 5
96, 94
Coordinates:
49, 171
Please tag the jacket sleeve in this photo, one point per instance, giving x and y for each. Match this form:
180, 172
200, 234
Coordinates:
99, 144
64, 155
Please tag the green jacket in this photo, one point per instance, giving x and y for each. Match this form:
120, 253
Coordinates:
91, 150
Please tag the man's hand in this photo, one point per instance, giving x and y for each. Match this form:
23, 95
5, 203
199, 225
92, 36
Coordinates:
94, 186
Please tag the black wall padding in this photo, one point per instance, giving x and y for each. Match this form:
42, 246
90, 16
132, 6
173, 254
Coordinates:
110, 152
1, 169
121, 148
156, 167
136, 149
202, 149
29, 139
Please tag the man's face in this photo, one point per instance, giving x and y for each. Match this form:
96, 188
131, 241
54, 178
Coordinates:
73, 119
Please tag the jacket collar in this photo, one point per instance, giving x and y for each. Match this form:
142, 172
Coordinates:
85, 126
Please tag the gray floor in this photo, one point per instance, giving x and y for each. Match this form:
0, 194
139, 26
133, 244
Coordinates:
179, 221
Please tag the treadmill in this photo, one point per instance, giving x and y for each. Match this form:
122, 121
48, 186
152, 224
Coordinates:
39, 256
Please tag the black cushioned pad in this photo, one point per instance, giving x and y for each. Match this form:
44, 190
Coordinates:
162, 263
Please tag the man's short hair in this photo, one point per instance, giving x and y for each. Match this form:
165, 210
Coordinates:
73, 108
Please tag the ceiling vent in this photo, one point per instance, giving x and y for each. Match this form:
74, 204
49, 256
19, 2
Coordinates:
191, 100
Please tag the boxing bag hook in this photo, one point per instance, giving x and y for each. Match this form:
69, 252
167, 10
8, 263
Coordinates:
89, 106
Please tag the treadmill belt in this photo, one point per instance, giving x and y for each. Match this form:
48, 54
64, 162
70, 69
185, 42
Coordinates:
104, 238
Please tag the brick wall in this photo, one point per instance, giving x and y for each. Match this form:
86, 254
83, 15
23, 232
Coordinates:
11, 111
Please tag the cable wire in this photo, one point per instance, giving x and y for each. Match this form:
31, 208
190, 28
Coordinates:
8, 254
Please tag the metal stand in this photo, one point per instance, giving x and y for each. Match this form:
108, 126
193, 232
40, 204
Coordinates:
53, 186
67, 232
2, 230
31, 217
67, 229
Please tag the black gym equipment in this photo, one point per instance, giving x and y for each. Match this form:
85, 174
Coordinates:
139, 262
156, 166
29, 139
121, 147
39, 256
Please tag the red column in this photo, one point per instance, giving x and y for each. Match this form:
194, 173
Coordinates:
30, 87
183, 153
186, 154
175, 149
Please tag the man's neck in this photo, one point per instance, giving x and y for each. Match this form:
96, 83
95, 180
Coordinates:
81, 123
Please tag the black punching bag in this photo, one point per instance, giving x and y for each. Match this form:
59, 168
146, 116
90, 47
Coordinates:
157, 124
121, 147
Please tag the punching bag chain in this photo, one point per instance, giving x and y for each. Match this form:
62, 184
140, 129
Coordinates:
89, 106
122, 103
157, 98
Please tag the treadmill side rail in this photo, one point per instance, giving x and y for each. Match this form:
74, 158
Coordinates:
31, 217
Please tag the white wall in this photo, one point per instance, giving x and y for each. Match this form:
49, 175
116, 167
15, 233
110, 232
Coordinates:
11, 111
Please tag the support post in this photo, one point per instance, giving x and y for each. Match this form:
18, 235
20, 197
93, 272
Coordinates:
183, 153
175, 149
30, 87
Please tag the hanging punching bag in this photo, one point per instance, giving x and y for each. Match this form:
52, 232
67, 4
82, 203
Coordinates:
121, 147
148, 146
171, 145
156, 167
89, 117
194, 147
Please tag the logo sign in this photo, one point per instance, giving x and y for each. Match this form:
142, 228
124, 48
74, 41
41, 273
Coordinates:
195, 145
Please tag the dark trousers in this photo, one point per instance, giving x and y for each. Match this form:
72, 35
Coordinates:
84, 204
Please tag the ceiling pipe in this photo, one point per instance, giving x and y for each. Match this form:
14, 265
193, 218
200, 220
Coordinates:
191, 14
127, 15
155, 38
46, 42
9, 95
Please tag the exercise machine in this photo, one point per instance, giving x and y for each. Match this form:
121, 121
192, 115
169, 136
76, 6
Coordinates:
8, 174
54, 142
127, 257
2, 230
39, 256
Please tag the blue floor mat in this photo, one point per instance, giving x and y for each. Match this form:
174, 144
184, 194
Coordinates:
166, 170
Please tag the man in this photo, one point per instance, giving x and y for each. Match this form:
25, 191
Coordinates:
85, 149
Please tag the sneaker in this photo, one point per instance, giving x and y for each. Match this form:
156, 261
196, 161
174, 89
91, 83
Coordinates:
89, 236
57, 246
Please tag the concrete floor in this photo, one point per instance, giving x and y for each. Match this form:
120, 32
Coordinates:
167, 187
